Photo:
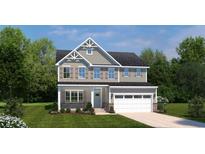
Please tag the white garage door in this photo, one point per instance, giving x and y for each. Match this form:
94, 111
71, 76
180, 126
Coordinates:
132, 102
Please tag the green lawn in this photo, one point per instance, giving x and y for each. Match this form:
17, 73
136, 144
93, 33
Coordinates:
36, 115
180, 110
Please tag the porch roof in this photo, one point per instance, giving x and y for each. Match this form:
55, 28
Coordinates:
109, 83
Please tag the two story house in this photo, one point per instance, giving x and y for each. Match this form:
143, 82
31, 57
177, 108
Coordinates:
88, 73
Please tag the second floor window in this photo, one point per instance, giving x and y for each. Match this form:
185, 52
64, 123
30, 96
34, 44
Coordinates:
96, 73
126, 72
111, 73
138, 72
66, 72
81, 72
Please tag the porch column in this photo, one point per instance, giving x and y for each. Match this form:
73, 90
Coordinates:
109, 95
156, 95
59, 99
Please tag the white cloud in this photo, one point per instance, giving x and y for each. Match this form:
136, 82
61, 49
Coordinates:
79, 34
135, 42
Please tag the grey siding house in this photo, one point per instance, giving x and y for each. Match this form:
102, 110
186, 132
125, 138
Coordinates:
107, 79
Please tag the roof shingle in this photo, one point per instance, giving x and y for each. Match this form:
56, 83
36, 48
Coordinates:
124, 58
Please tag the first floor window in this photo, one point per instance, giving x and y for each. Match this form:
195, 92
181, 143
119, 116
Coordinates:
81, 71
73, 96
67, 96
126, 72
80, 96
96, 73
138, 72
66, 72
111, 73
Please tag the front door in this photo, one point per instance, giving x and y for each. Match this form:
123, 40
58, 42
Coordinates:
97, 98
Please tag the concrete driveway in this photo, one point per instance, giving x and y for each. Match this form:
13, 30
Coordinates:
163, 121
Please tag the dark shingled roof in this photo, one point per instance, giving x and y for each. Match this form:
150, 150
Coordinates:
127, 58
124, 58
111, 83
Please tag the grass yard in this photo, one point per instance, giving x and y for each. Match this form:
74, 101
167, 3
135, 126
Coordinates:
36, 116
180, 110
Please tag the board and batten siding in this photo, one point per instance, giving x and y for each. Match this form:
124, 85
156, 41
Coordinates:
98, 57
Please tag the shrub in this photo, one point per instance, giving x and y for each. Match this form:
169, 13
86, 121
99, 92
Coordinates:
111, 109
62, 110
87, 107
78, 110
68, 110
195, 107
92, 111
14, 107
7, 121
55, 106
161, 99
161, 104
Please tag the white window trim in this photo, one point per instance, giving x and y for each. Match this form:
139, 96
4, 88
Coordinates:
67, 66
79, 77
88, 52
138, 72
124, 72
94, 73
70, 91
108, 73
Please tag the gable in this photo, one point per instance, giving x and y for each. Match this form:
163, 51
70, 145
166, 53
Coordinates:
72, 57
99, 56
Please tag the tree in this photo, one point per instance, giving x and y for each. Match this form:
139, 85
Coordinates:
192, 50
195, 107
13, 46
191, 81
40, 71
159, 72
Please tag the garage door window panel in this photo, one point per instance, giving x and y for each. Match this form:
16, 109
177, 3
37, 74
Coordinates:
137, 96
128, 96
146, 96
119, 96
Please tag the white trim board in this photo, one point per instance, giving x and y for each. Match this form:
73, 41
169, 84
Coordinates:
81, 85
120, 66
145, 87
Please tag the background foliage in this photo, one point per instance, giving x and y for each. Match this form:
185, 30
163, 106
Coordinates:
27, 68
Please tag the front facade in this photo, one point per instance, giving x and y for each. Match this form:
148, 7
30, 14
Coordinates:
88, 73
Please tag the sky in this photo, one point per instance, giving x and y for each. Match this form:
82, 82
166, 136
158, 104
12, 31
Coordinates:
116, 38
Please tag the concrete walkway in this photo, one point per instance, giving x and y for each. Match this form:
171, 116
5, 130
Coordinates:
163, 121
